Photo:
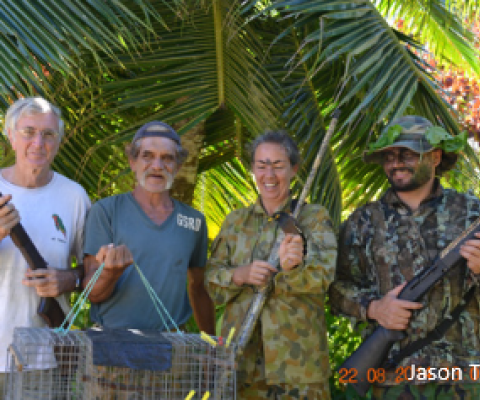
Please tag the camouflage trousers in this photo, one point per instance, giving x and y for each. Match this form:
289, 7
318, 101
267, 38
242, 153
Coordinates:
465, 391
262, 391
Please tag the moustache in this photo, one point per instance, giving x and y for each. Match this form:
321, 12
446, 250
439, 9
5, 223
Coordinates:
164, 175
405, 169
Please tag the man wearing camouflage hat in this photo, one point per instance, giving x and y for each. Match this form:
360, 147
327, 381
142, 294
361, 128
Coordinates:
387, 242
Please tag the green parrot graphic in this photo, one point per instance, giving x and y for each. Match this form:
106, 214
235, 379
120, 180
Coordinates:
59, 224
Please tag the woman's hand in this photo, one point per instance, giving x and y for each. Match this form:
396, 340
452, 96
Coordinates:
257, 273
291, 252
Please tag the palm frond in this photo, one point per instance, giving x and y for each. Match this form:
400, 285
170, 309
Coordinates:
37, 38
441, 25
381, 80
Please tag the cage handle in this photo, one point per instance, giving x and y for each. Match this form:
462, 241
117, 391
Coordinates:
19, 361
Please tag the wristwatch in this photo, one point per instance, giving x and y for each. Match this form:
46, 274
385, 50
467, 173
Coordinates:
78, 280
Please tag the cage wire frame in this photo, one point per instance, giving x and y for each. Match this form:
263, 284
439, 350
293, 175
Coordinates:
46, 365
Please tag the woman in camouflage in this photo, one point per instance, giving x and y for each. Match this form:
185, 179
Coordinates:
287, 356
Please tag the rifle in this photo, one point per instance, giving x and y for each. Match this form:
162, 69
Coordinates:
374, 349
288, 225
48, 309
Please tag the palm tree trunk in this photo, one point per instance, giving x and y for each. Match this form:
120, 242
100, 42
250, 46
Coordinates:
184, 184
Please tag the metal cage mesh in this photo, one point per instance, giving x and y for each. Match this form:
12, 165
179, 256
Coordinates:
46, 365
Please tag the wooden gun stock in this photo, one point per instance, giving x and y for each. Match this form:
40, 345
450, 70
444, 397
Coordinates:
48, 309
375, 348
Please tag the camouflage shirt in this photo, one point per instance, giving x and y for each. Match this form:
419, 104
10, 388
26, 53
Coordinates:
384, 244
289, 344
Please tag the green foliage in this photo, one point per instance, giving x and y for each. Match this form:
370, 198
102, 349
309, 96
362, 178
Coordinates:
82, 320
342, 341
239, 72
387, 139
440, 138
436, 135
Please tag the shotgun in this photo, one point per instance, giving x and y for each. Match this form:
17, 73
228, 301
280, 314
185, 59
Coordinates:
48, 309
374, 349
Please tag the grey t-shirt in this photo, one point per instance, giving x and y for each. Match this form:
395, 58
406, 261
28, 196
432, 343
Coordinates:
163, 253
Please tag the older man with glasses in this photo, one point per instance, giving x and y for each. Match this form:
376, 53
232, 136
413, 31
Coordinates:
51, 208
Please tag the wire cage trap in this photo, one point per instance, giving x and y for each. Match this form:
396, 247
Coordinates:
117, 365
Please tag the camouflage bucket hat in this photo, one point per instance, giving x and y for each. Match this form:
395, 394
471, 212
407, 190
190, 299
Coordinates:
419, 135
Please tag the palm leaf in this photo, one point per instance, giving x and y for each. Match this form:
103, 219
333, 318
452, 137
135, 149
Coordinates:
41, 37
382, 79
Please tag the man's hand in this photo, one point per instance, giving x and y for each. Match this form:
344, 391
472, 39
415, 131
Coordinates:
391, 312
9, 216
257, 273
291, 252
116, 259
50, 282
471, 252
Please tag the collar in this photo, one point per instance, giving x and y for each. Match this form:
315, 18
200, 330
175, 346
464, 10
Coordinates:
285, 206
392, 199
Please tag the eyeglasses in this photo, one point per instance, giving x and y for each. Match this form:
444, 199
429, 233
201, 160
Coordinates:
48, 135
166, 159
404, 157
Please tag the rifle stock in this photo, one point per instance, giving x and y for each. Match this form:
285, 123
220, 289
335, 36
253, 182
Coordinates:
48, 308
373, 351
370, 354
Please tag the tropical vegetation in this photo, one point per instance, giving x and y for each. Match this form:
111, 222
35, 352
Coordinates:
221, 72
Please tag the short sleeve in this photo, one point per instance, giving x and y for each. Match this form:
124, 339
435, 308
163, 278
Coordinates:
98, 229
199, 255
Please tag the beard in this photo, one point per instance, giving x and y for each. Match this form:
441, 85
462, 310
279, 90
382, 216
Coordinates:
165, 174
420, 177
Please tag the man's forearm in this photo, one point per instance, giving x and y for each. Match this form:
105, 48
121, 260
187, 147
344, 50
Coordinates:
105, 284
203, 309
103, 288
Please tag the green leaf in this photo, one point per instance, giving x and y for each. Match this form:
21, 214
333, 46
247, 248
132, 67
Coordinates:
436, 134
387, 139
440, 138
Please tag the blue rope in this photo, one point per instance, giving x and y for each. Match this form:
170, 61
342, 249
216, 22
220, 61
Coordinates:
156, 300
77, 307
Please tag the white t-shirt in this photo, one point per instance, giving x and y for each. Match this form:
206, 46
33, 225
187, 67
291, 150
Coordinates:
53, 216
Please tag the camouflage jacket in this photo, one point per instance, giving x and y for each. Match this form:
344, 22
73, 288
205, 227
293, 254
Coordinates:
289, 344
384, 244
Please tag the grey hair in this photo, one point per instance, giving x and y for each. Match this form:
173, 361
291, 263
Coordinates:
278, 137
133, 149
31, 106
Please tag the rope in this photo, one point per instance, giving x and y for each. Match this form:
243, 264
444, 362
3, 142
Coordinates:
77, 307
156, 300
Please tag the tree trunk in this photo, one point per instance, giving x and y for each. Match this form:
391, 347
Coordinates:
184, 184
